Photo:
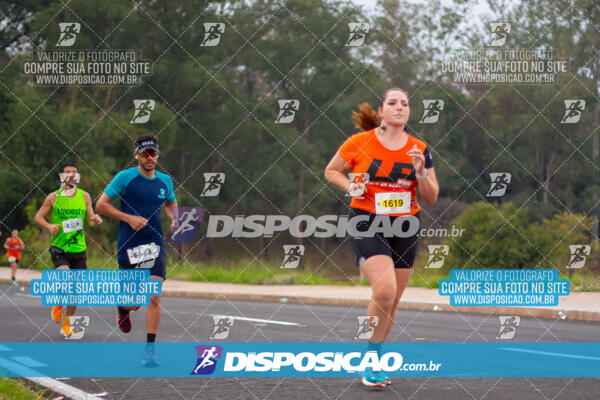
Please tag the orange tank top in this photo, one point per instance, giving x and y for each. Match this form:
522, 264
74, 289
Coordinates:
389, 175
13, 248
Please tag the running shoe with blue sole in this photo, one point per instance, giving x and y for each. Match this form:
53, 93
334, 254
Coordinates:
373, 379
149, 359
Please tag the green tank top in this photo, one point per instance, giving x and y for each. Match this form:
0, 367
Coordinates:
69, 213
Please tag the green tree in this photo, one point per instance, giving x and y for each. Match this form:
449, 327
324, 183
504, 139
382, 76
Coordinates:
561, 231
495, 236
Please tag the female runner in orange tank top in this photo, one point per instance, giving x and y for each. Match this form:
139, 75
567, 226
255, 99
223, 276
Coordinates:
13, 245
397, 165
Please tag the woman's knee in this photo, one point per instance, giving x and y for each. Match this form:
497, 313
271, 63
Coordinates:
155, 300
384, 294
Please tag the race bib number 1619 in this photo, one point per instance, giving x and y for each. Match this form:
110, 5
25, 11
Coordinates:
392, 202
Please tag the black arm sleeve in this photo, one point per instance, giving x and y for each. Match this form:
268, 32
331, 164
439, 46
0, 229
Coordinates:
428, 160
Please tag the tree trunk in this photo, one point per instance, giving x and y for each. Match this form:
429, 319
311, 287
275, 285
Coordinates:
547, 177
107, 97
300, 201
261, 247
181, 179
595, 148
208, 249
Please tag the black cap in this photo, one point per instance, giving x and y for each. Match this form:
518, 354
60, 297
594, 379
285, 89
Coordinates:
147, 145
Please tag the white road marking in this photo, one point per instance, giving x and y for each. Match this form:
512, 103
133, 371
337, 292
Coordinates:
52, 384
28, 361
264, 321
25, 295
548, 353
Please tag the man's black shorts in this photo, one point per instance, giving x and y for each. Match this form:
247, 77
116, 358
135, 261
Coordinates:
158, 268
72, 260
402, 250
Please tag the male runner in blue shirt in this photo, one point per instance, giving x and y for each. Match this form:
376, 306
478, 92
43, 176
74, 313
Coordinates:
143, 191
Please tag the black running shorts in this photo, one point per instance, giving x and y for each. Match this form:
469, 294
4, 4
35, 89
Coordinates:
402, 250
72, 260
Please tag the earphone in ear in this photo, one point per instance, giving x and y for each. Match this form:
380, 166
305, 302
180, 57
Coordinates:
137, 157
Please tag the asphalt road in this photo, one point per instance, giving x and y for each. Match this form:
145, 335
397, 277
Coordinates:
190, 320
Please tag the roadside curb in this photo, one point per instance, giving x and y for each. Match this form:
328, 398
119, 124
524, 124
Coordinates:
537, 312
432, 306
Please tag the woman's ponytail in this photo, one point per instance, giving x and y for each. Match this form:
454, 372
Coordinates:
366, 118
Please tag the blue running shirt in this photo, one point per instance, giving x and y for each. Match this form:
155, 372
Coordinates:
144, 197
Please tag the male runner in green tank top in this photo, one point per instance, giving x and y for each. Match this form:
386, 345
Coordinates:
68, 207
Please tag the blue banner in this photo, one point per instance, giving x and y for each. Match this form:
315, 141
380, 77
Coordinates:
504, 287
95, 287
301, 359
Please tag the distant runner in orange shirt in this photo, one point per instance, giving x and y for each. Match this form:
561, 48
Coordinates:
388, 166
14, 245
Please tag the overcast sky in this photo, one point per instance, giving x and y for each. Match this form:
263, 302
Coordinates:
480, 7
474, 18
